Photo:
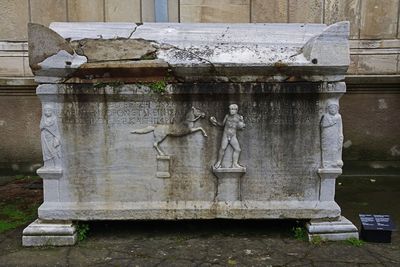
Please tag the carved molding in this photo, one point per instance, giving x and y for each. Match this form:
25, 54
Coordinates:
46, 173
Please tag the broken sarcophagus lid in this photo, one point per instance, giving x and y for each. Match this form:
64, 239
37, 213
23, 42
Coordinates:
189, 121
99, 52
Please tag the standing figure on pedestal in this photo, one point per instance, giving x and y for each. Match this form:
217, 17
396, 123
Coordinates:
331, 137
50, 137
231, 123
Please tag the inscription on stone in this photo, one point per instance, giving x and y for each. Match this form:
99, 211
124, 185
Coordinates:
280, 112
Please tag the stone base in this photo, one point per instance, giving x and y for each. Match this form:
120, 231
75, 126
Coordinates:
328, 179
163, 166
228, 183
173, 210
333, 230
45, 233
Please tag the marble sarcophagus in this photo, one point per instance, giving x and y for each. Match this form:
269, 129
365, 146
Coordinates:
187, 121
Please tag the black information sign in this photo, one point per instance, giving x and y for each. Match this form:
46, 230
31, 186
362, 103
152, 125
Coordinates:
376, 228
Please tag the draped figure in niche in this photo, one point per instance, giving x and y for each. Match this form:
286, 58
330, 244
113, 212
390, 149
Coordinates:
331, 136
50, 137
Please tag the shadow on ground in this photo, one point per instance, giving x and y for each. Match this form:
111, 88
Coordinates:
214, 242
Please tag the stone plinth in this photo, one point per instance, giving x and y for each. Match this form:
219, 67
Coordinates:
339, 229
163, 166
228, 183
131, 125
53, 233
328, 181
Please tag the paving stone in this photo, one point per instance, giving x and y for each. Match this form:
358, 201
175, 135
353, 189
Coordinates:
188, 244
341, 252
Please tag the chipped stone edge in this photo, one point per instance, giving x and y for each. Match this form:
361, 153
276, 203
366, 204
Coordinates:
46, 233
322, 48
327, 48
331, 230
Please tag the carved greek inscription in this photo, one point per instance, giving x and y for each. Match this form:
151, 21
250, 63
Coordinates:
121, 113
273, 111
280, 112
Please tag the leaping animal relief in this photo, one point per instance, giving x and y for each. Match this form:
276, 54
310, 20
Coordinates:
187, 126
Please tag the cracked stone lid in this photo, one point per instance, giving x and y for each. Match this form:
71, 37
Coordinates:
70, 52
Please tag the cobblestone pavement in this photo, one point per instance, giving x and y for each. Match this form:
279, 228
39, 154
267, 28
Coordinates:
219, 242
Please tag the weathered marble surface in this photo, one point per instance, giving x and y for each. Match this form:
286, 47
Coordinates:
204, 52
110, 173
181, 121
42, 233
340, 229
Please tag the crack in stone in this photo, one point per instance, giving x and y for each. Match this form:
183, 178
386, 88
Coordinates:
224, 33
134, 30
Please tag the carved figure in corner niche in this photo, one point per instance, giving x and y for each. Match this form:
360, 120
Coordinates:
231, 123
185, 127
331, 137
50, 138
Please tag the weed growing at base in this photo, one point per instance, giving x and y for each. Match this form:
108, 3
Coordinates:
300, 233
82, 230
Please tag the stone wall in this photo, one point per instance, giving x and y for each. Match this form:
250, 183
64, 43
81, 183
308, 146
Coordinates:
370, 108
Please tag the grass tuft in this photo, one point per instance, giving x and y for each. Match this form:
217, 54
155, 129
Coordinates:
82, 230
13, 216
300, 233
354, 242
158, 87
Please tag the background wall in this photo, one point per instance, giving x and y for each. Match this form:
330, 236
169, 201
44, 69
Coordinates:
370, 109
